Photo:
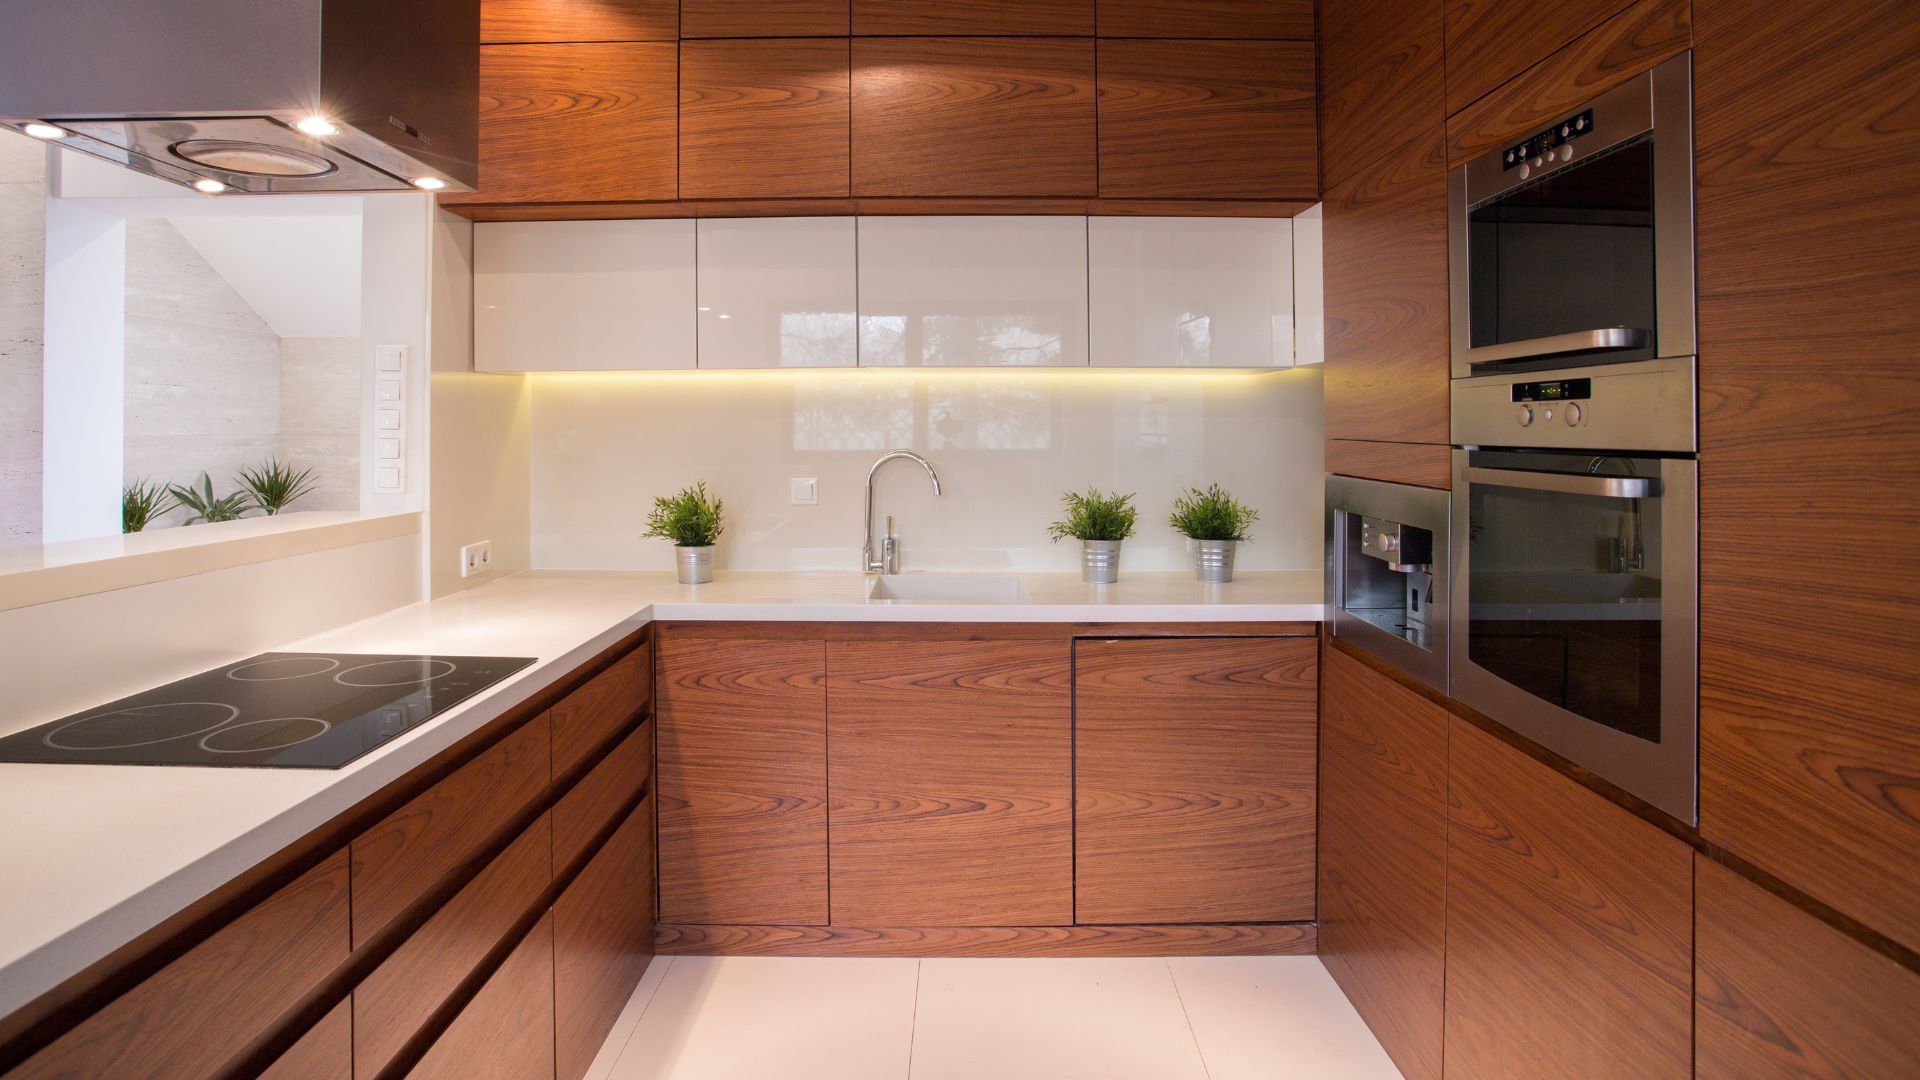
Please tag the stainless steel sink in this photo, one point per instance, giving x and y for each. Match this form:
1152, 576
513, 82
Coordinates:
947, 588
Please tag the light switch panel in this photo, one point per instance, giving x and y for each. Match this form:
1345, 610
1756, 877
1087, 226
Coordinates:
387, 419
390, 358
805, 490
387, 390
387, 478
387, 448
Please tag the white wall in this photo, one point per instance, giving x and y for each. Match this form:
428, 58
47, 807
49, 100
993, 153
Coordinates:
1007, 444
23, 226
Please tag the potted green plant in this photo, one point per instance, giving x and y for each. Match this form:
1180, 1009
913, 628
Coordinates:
692, 520
1100, 522
205, 506
141, 502
1216, 522
274, 485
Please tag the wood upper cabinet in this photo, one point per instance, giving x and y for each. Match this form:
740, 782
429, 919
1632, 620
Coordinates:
742, 779
602, 941
1388, 359
1190, 292
583, 295
200, 1011
1380, 80
973, 116
1208, 119
951, 782
580, 122
763, 18
1809, 247
1062, 18
506, 1032
1207, 18
518, 21
766, 118
1491, 41
1383, 840
1194, 779
1779, 993
1569, 926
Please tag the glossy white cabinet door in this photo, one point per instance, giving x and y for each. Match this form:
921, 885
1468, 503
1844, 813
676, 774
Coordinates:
1191, 292
1309, 297
973, 291
583, 295
777, 292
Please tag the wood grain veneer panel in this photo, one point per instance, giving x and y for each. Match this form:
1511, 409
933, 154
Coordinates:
1808, 134
1383, 848
735, 208
1629, 43
507, 1031
589, 719
1194, 780
973, 116
1207, 19
742, 780
1062, 18
1264, 939
950, 778
765, 119
763, 18
600, 796
1388, 354
192, 1016
1421, 464
399, 860
1491, 41
1380, 81
513, 21
603, 940
1778, 993
1569, 926
586, 122
398, 997
1208, 119
325, 1052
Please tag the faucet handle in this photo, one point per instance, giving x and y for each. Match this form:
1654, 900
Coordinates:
889, 549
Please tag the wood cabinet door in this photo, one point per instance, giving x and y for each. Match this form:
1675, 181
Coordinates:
973, 116
743, 780
1383, 851
1779, 993
1208, 120
763, 18
893, 18
1208, 18
951, 780
1809, 252
765, 119
603, 940
522, 21
1385, 238
1569, 926
506, 1032
1491, 41
1194, 780
1380, 79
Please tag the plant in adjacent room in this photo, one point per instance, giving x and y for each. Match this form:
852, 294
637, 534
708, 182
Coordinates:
1094, 516
200, 499
692, 520
1216, 522
274, 485
141, 502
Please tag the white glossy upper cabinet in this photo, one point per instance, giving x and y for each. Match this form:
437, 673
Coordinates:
777, 292
1309, 297
1191, 292
973, 291
583, 295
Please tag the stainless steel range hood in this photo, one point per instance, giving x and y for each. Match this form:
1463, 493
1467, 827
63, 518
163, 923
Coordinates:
255, 96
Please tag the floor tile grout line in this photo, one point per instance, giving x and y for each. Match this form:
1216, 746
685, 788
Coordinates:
1188, 1017
665, 970
913, 1023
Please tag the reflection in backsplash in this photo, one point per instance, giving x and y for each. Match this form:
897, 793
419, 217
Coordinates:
1007, 445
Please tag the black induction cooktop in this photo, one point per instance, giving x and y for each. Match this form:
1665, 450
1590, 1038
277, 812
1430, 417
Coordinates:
274, 710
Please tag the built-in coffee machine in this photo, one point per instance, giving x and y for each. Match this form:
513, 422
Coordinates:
1386, 573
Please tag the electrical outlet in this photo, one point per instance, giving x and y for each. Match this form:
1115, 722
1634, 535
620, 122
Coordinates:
476, 558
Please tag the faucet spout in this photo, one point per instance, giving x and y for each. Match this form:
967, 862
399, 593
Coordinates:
889, 560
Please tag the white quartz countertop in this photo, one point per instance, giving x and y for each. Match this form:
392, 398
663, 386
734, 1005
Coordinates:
95, 855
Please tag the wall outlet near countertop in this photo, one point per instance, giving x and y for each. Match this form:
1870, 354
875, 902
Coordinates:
476, 558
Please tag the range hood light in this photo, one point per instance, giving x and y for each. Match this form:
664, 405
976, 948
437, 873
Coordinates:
317, 126
209, 186
429, 183
43, 131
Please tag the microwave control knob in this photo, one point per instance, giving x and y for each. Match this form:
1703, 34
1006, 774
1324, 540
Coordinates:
1574, 415
1526, 416
1526, 171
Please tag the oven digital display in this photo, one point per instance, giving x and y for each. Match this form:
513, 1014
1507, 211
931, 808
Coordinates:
1557, 390
1551, 139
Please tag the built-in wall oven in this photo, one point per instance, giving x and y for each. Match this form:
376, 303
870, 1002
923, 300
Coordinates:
1574, 589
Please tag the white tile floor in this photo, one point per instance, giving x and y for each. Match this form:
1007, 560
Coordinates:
1207, 1018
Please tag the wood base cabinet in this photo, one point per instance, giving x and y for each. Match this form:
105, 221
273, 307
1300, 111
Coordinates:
506, 1031
602, 941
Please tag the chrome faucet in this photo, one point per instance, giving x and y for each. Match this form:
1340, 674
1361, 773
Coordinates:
889, 560
1624, 552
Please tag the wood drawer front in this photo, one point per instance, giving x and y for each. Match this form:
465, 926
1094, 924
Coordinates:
399, 860
951, 780
587, 720
393, 1002
743, 781
1194, 780
603, 940
506, 1032
581, 813
195, 1014
1778, 993
325, 1052
1569, 925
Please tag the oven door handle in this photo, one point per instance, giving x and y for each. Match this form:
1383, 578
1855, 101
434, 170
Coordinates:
1610, 487
1610, 337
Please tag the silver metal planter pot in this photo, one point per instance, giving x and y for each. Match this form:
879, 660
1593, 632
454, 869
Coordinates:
694, 564
1100, 561
1213, 560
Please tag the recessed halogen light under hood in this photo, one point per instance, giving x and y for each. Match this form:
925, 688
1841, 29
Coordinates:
263, 97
